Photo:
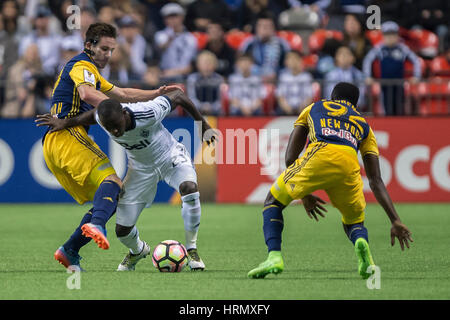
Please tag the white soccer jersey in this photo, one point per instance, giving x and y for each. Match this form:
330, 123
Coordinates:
147, 142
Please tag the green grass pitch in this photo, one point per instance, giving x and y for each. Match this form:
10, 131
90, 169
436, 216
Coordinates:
319, 260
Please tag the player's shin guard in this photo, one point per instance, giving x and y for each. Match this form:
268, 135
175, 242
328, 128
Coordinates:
356, 231
132, 241
273, 227
105, 202
191, 213
77, 240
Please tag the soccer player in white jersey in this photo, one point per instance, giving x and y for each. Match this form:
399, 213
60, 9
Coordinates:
153, 155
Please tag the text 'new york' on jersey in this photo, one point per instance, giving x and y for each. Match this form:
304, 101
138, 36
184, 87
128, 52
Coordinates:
338, 122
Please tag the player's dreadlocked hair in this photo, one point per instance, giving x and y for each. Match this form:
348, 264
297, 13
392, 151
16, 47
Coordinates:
345, 91
109, 111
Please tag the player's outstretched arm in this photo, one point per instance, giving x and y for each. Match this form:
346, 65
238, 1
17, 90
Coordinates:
179, 98
56, 124
297, 141
138, 95
398, 229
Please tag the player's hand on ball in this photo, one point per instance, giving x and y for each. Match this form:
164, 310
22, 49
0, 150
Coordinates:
313, 207
52, 121
402, 233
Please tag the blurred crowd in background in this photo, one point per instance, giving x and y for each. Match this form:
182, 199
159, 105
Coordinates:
238, 57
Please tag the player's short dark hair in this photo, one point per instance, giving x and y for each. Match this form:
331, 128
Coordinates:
109, 111
98, 30
345, 91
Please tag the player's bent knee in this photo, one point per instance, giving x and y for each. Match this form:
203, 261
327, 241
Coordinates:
188, 187
115, 179
270, 200
122, 231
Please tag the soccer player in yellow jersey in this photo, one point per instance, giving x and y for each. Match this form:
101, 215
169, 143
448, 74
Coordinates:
77, 162
336, 132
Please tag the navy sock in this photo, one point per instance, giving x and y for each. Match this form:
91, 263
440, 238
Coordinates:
105, 202
77, 240
273, 227
356, 231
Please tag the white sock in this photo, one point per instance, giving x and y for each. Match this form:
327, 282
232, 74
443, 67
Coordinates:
132, 241
191, 213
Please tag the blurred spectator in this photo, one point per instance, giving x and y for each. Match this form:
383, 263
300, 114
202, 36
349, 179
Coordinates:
106, 15
246, 91
152, 77
355, 38
391, 55
268, 50
48, 43
203, 87
178, 46
345, 71
202, 12
134, 46
250, 10
153, 9
88, 17
21, 82
116, 70
325, 62
395, 10
338, 9
217, 45
69, 49
9, 41
318, 7
433, 15
294, 91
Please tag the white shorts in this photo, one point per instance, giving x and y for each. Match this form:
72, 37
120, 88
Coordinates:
140, 185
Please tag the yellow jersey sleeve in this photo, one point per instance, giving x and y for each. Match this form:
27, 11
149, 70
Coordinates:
369, 145
84, 72
302, 119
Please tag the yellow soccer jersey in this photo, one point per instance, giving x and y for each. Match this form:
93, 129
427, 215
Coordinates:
66, 102
338, 123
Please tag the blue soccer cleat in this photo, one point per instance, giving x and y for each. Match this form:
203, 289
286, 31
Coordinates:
68, 258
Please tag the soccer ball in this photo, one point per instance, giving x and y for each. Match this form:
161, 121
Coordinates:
169, 256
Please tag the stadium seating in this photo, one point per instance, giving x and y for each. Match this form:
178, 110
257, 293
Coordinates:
433, 97
317, 38
235, 38
295, 40
409, 68
269, 100
440, 67
202, 39
317, 91
225, 99
374, 93
423, 42
375, 36
310, 61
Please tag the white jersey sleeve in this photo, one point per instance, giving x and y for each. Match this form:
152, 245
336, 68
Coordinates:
150, 112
